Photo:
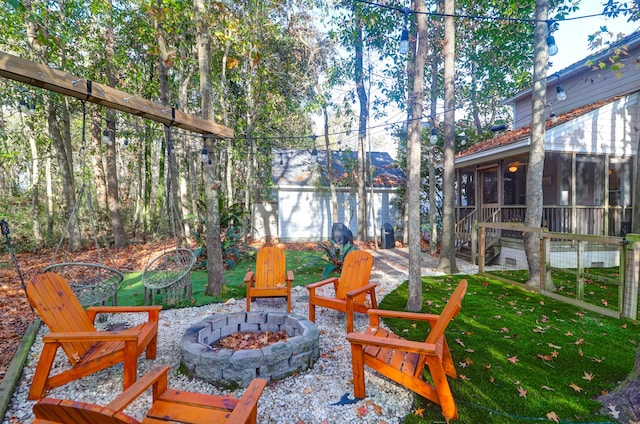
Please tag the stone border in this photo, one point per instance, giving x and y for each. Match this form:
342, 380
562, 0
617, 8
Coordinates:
274, 362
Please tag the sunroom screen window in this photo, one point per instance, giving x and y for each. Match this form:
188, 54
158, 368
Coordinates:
589, 180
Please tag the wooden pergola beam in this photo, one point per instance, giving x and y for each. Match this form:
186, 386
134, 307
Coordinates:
18, 69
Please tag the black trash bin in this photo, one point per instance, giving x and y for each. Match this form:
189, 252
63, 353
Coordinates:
341, 234
388, 240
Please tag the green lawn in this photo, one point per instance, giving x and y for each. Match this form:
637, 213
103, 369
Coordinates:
521, 356
601, 285
131, 291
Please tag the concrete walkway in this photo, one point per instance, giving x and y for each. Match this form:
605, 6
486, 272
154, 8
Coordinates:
395, 263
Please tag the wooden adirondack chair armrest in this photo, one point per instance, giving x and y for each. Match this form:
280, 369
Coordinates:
290, 276
392, 343
313, 286
91, 336
416, 316
371, 288
153, 311
156, 377
249, 277
247, 402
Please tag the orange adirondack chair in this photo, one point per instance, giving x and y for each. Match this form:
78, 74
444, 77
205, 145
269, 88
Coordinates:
88, 350
168, 405
351, 288
271, 278
404, 361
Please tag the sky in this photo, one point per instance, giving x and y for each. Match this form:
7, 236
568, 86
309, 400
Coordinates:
572, 35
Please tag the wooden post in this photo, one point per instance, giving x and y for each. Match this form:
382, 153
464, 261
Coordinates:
631, 276
580, 270
481, 246
474, 242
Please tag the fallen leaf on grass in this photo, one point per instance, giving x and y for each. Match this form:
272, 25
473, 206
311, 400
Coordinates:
552, 416
575, 387
419, 412
548, 388
579, 341
604, 302
464, 377
554, 346
587, 376
460, 342
544, 357
522, 392
513, 359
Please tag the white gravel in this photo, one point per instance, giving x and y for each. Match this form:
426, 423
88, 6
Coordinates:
303, 398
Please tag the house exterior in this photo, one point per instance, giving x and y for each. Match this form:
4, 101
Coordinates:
301, 205
591, 145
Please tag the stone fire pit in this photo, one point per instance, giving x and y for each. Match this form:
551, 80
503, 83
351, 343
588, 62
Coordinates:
225, 367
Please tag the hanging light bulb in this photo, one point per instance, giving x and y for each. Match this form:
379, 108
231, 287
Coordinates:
434, 136
404, 42
560, 93
106, 137
463, 139
404, 37
552, 48
554, 117
204, 158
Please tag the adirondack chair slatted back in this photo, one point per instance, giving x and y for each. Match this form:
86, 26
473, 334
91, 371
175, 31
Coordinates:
451, 309
271, 267
59, 308
67, 411
356, 270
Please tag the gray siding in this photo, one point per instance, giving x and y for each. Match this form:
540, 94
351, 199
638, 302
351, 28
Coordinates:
583, 87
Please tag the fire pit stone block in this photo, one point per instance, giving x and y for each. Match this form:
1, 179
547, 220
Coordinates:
227, 367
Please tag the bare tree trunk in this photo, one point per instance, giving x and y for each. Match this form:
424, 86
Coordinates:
433, 177
35, 184
68, 188
50, 206
212, 184
63, 158
533, 218
447, 262
362, 127
414, 159
174, 211
113, 201
626, 397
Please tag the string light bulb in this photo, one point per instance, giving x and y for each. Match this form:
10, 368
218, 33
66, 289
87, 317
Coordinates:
552, 47
106, 137
434, 136
404, 42
204, 158
404, 37
560, 93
